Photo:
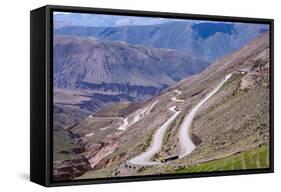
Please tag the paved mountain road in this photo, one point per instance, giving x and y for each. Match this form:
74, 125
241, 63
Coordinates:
186, 144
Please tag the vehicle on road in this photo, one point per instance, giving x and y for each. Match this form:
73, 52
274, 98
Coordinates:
171, 158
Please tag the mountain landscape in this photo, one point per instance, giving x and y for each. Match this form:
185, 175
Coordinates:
62, 19
188, 37
96, 73
87, 62
124, 108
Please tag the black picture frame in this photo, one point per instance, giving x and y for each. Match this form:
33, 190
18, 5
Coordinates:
41, 54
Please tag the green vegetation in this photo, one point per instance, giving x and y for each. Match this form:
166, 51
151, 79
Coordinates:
63, 146
101, 173
252, 159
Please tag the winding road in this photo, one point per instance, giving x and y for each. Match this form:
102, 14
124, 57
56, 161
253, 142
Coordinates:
186, 144
137, 116
125, 124
155, 146
175, 98
157, 140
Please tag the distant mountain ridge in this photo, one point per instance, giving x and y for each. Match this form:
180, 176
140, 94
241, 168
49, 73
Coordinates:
82, 62
62, 19
188, 37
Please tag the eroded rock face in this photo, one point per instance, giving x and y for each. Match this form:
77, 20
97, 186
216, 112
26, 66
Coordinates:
98, 152
69, 169
89, 63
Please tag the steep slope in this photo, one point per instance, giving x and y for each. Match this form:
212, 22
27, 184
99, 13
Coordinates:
88, 63
233, 120
90, 74
73, 106
186, 36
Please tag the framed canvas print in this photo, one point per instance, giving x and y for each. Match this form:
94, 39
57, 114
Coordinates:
122, 95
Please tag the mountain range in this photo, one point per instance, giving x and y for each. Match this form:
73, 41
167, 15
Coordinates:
207, 41
62, 19
90, 74
89, 63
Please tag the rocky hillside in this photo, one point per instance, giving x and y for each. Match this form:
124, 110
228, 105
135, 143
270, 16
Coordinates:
90, 74
234, 121
88, 63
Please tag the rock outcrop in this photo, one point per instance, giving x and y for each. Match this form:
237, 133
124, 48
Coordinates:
69, 169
